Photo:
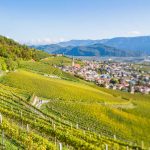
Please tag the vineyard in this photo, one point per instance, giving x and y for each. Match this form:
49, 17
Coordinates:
59, 61
73, 114
24, 126
46, 69
57, 88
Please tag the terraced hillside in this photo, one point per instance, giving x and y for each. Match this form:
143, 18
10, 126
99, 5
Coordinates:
57, 88
44, 108
23, 126
63, 60
46, 69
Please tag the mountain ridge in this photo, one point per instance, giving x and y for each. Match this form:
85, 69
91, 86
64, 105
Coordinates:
91, 50
125, 46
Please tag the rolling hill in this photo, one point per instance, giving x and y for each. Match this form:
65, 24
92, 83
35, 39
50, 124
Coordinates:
13, 50
78, 43
139, 44
47, 48
91, 50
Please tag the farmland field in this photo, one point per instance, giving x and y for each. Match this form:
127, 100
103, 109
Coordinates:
73, 112
57, 88
59, 61
46, 69
26, 127
94, 109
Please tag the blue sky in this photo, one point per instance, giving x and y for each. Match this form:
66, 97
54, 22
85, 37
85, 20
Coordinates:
46, 21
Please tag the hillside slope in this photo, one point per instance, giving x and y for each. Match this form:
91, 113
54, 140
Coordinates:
11, 49
99, 110
139, 45
26, 127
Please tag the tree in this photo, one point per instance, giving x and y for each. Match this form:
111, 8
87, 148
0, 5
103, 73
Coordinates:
114, 81
11, 65
4, 66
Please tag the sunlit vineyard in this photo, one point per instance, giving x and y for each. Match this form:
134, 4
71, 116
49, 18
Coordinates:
46, 69
25, 127
59, 61
103, 119
76, 114
56, 88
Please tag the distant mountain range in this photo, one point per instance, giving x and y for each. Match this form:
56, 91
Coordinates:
79, 43
121, 47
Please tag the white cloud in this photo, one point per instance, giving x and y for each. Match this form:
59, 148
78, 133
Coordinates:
134, 32
43, 41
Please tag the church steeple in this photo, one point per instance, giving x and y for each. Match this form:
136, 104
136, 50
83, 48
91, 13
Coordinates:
72, 61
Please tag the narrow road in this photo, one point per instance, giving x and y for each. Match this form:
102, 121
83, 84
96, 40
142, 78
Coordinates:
37, 102
41, 102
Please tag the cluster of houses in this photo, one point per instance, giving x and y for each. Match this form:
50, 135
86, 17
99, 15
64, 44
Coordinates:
116, 76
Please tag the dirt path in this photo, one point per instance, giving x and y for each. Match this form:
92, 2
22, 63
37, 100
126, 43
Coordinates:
41, 102
37, 102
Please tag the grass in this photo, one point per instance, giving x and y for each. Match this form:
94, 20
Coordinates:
72, 101
60, 61
41, 134
46, 69
57, 88
89, 106
99, 118
9, 144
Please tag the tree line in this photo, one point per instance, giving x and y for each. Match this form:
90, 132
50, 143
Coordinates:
11, 52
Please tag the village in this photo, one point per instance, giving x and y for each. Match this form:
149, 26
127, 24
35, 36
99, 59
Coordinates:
111, 75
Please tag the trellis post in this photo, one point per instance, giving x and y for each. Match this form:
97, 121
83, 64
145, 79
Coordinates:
71, 125
84, 132
54, 127
77, 126
3, 144
55, 141
106, 147
27, 128
142, 144
21, 114
1, 119
114, 137
60, 146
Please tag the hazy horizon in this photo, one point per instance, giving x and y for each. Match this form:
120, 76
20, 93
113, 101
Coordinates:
44, 42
